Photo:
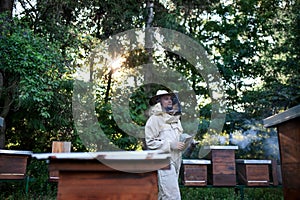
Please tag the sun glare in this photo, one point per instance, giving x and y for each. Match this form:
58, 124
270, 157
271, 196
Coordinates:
117, 63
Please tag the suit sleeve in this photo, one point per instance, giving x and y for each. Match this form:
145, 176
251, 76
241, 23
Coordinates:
152, 136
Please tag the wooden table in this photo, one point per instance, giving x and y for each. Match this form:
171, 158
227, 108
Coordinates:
117, 175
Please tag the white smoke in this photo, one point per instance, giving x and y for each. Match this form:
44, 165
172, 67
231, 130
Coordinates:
271, 147
223, 140
244, 139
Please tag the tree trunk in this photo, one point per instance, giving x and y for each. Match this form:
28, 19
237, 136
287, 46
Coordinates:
2, 136
148, 74
7, 6
2, 127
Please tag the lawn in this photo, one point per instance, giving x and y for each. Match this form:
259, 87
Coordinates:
205, 193
47, 191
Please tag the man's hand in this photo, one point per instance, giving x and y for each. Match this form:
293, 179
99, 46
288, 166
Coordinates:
177, 146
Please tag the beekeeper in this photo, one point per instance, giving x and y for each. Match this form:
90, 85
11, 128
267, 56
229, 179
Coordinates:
162, 132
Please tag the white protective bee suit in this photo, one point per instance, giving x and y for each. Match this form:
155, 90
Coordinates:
162, 132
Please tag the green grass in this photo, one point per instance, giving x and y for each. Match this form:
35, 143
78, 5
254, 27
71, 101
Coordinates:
15, 190
48, 191
217, 193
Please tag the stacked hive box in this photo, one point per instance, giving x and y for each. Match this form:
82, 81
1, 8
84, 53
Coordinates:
222, 171
13, 164
194, 172
107, 175
253, 172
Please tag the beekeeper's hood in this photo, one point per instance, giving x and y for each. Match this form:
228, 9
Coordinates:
155, 102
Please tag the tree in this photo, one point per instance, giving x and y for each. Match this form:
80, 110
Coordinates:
33, 74
249, 41
6, 8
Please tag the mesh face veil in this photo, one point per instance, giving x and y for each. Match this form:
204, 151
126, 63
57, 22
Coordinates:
176, 104
170, 103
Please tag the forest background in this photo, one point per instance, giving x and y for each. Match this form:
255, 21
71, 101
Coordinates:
255, 45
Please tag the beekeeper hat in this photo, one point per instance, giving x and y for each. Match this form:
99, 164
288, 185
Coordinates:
153, 100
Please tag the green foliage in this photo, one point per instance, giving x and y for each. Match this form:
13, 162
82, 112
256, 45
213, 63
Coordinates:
38, 185
34, 65
40, 78
253, 43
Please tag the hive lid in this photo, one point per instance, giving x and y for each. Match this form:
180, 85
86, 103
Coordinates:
196, 162
252, 161
105, 155
16, 152
221, 147
289, 114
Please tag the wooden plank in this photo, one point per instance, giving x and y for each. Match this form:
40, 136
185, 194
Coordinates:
280, 118
221, 156
222, 174
224, 168
258, 172
288, 128
223, 180
274, 170
58, 147
257, 175
291, 181
241, 174
98, 165
290, 175
61, 147
289, 141
110, 185
253, 174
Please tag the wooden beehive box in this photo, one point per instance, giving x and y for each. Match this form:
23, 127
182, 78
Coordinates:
222, 171
123, 175
288, 129
13, 164
253, 172
194, 172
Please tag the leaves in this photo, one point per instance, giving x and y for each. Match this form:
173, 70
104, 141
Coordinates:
254, 44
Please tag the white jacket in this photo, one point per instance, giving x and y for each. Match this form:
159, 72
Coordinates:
162, 132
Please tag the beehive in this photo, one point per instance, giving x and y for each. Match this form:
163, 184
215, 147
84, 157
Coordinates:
222, 171
288, 129
194, 172
253, 172
13, 164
